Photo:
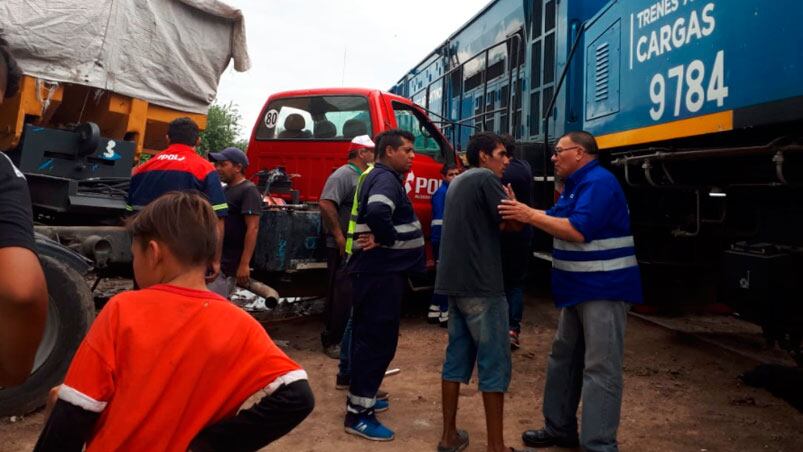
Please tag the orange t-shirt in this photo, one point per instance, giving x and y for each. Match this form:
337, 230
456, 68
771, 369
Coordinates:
162, 363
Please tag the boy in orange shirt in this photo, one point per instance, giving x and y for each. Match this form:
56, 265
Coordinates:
167, 367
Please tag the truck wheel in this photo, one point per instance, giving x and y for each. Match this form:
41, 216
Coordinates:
70, 312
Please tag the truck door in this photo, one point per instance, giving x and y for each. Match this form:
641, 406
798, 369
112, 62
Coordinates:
431, 150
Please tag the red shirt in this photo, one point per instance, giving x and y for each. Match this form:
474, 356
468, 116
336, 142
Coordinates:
162, 363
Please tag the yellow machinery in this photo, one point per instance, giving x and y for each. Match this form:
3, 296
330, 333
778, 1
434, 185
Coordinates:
51, 104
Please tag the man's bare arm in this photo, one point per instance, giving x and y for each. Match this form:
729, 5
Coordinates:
23, 310
249, 244
331, 222
221, 230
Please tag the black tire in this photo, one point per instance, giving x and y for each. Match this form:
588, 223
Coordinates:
70, 312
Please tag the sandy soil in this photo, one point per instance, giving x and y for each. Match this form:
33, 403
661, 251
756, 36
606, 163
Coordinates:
680, 395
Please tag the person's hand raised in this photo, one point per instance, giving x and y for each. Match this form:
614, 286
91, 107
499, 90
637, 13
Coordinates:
512, 210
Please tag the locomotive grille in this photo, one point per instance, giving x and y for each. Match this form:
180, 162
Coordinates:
601, 71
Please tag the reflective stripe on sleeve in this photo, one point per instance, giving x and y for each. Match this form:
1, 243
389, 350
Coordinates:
286, 379
407, 244
361, 227
81, 400
222, 206
595, 245
595, 266
408, 227
437, 222
382, 199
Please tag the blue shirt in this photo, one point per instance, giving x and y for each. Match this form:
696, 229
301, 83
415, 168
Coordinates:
385, 211
438, 206
604, 267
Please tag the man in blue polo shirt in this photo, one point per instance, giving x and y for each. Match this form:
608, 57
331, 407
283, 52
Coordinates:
595, 278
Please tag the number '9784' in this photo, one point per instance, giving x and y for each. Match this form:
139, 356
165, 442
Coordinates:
689, 92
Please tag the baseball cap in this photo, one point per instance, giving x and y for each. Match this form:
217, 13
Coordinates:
361, 142
233, 155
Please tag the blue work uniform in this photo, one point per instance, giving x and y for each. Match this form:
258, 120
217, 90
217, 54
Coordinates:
379, 279
438, 206
439, 307
593, 282
604, 267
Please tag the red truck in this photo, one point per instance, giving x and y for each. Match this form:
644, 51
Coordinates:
307, 132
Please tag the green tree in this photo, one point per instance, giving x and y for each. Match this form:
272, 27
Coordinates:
222, 129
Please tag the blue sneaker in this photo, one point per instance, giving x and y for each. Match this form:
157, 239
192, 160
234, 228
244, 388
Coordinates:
368, 427
381, 405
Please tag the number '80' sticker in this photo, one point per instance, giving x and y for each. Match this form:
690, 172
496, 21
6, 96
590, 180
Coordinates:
270, 118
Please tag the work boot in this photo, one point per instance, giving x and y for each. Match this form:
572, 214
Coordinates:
542, 438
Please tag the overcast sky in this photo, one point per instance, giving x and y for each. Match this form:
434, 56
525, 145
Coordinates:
296, 44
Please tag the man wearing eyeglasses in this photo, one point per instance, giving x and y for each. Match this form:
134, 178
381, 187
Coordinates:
595, 278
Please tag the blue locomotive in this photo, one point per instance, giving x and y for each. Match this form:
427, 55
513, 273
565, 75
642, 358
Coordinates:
697, 106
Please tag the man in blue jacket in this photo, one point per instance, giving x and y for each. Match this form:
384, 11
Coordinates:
595, 278
389, 244
439, 308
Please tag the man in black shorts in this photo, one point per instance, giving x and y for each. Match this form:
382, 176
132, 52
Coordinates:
242, 222
23, 291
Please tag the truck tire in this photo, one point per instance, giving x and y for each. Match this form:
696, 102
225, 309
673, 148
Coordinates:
70, 312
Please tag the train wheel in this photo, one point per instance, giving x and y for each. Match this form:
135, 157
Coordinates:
69, 314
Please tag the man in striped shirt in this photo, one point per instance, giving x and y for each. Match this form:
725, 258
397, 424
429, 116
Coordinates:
595, 278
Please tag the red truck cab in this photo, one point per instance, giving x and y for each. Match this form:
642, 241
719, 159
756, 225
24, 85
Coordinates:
308, 132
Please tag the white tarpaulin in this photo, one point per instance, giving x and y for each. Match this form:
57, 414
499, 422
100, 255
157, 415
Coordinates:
168, 52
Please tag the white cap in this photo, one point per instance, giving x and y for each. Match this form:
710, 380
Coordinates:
361, 142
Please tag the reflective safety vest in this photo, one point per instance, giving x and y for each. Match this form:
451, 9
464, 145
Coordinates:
355, 208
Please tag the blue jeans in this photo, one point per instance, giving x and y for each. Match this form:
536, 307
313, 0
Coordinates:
586, 361
515, 302
478, 331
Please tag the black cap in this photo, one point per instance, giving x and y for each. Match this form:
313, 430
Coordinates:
233, 155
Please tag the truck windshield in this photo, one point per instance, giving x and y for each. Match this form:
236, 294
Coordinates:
329, 118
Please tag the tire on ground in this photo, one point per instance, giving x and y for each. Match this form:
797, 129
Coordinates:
70, 312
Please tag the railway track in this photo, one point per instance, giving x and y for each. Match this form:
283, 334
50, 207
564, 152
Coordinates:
727, 333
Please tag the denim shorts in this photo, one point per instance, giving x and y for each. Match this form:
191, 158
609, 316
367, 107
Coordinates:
478, 332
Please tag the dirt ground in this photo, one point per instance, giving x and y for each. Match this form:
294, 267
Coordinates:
680, 395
